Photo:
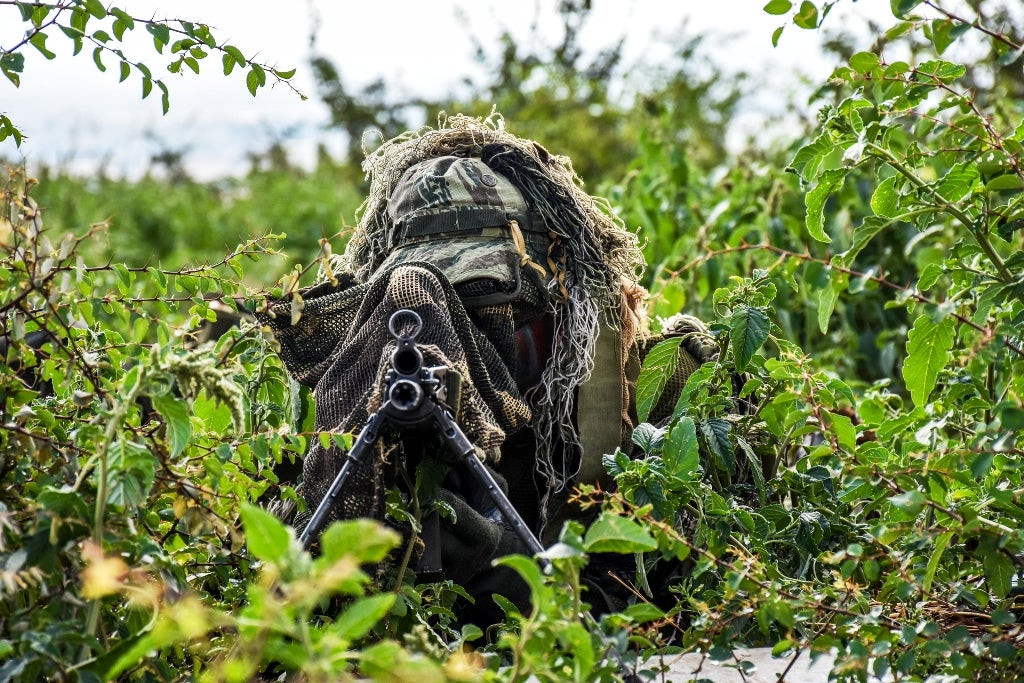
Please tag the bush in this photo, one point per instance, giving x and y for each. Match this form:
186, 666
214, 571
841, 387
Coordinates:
845, 477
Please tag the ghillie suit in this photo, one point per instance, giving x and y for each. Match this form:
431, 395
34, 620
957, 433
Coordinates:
527, 286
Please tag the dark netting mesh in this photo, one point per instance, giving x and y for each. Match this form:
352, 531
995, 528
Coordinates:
482, 287
341, 348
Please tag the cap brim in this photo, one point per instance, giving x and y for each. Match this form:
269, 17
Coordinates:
462, 259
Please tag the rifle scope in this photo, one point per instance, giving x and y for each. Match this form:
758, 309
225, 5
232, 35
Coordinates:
405, 392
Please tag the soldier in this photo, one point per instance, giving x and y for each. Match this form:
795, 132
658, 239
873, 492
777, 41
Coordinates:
528, 287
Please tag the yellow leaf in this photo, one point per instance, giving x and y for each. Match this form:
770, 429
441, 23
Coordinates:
464, 665
102, 575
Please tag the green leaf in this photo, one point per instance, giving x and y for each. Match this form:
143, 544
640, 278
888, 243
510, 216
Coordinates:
181, 45
124, 277
161, 34
829, 182
717, 435
229, 63
807, 17
643, 611
235, 53
266, 537
776, 34
614, 534
680, 452
357, 620
1009, 181
79, 19
12, 63
132, 469
285, 74
828, 296
147, 86
648, 437
38, 41
929, 276
748, 330
784, 645
910, 502
808, 158
126, 70
8, 129
252, 82
363, 539
958, 182
165, 98
945, 31
947, 72
39, 15
842, 427
901, 7
159, 278
97, 54
941, 543
885, 199
782, 613
999, 572
119, 27
175, 414
981, 464
863, 62
659, 365
862, 236
778, 7
756, 467
95, 8
928, 345
1011, 416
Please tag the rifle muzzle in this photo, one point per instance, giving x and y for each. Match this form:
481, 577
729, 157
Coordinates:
405, 395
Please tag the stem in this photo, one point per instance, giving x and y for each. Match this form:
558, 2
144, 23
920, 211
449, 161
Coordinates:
417, 513
120, 410
980, 237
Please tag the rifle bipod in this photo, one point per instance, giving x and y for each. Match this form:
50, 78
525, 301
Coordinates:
413, 398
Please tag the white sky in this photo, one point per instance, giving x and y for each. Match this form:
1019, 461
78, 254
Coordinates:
77, 116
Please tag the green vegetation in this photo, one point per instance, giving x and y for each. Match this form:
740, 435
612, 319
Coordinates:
868, 282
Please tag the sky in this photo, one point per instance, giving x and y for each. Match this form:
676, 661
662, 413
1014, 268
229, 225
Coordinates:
78, 117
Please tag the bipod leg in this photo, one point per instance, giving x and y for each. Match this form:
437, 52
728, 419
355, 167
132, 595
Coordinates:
356, 456
466, 453
461, 445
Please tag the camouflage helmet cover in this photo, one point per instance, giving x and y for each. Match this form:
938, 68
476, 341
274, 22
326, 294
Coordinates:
468, 220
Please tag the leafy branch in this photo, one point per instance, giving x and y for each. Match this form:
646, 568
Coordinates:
188, 43
976, 24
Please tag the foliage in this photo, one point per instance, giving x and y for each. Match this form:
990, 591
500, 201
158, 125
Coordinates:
100, 29
894, 538
844, 477
589, 107
154, 220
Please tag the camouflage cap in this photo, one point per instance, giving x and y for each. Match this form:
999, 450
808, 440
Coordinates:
469, 221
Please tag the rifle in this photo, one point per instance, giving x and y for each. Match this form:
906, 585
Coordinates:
414, 397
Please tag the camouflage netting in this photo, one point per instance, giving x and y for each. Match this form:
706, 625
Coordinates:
593, 260
341, 348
